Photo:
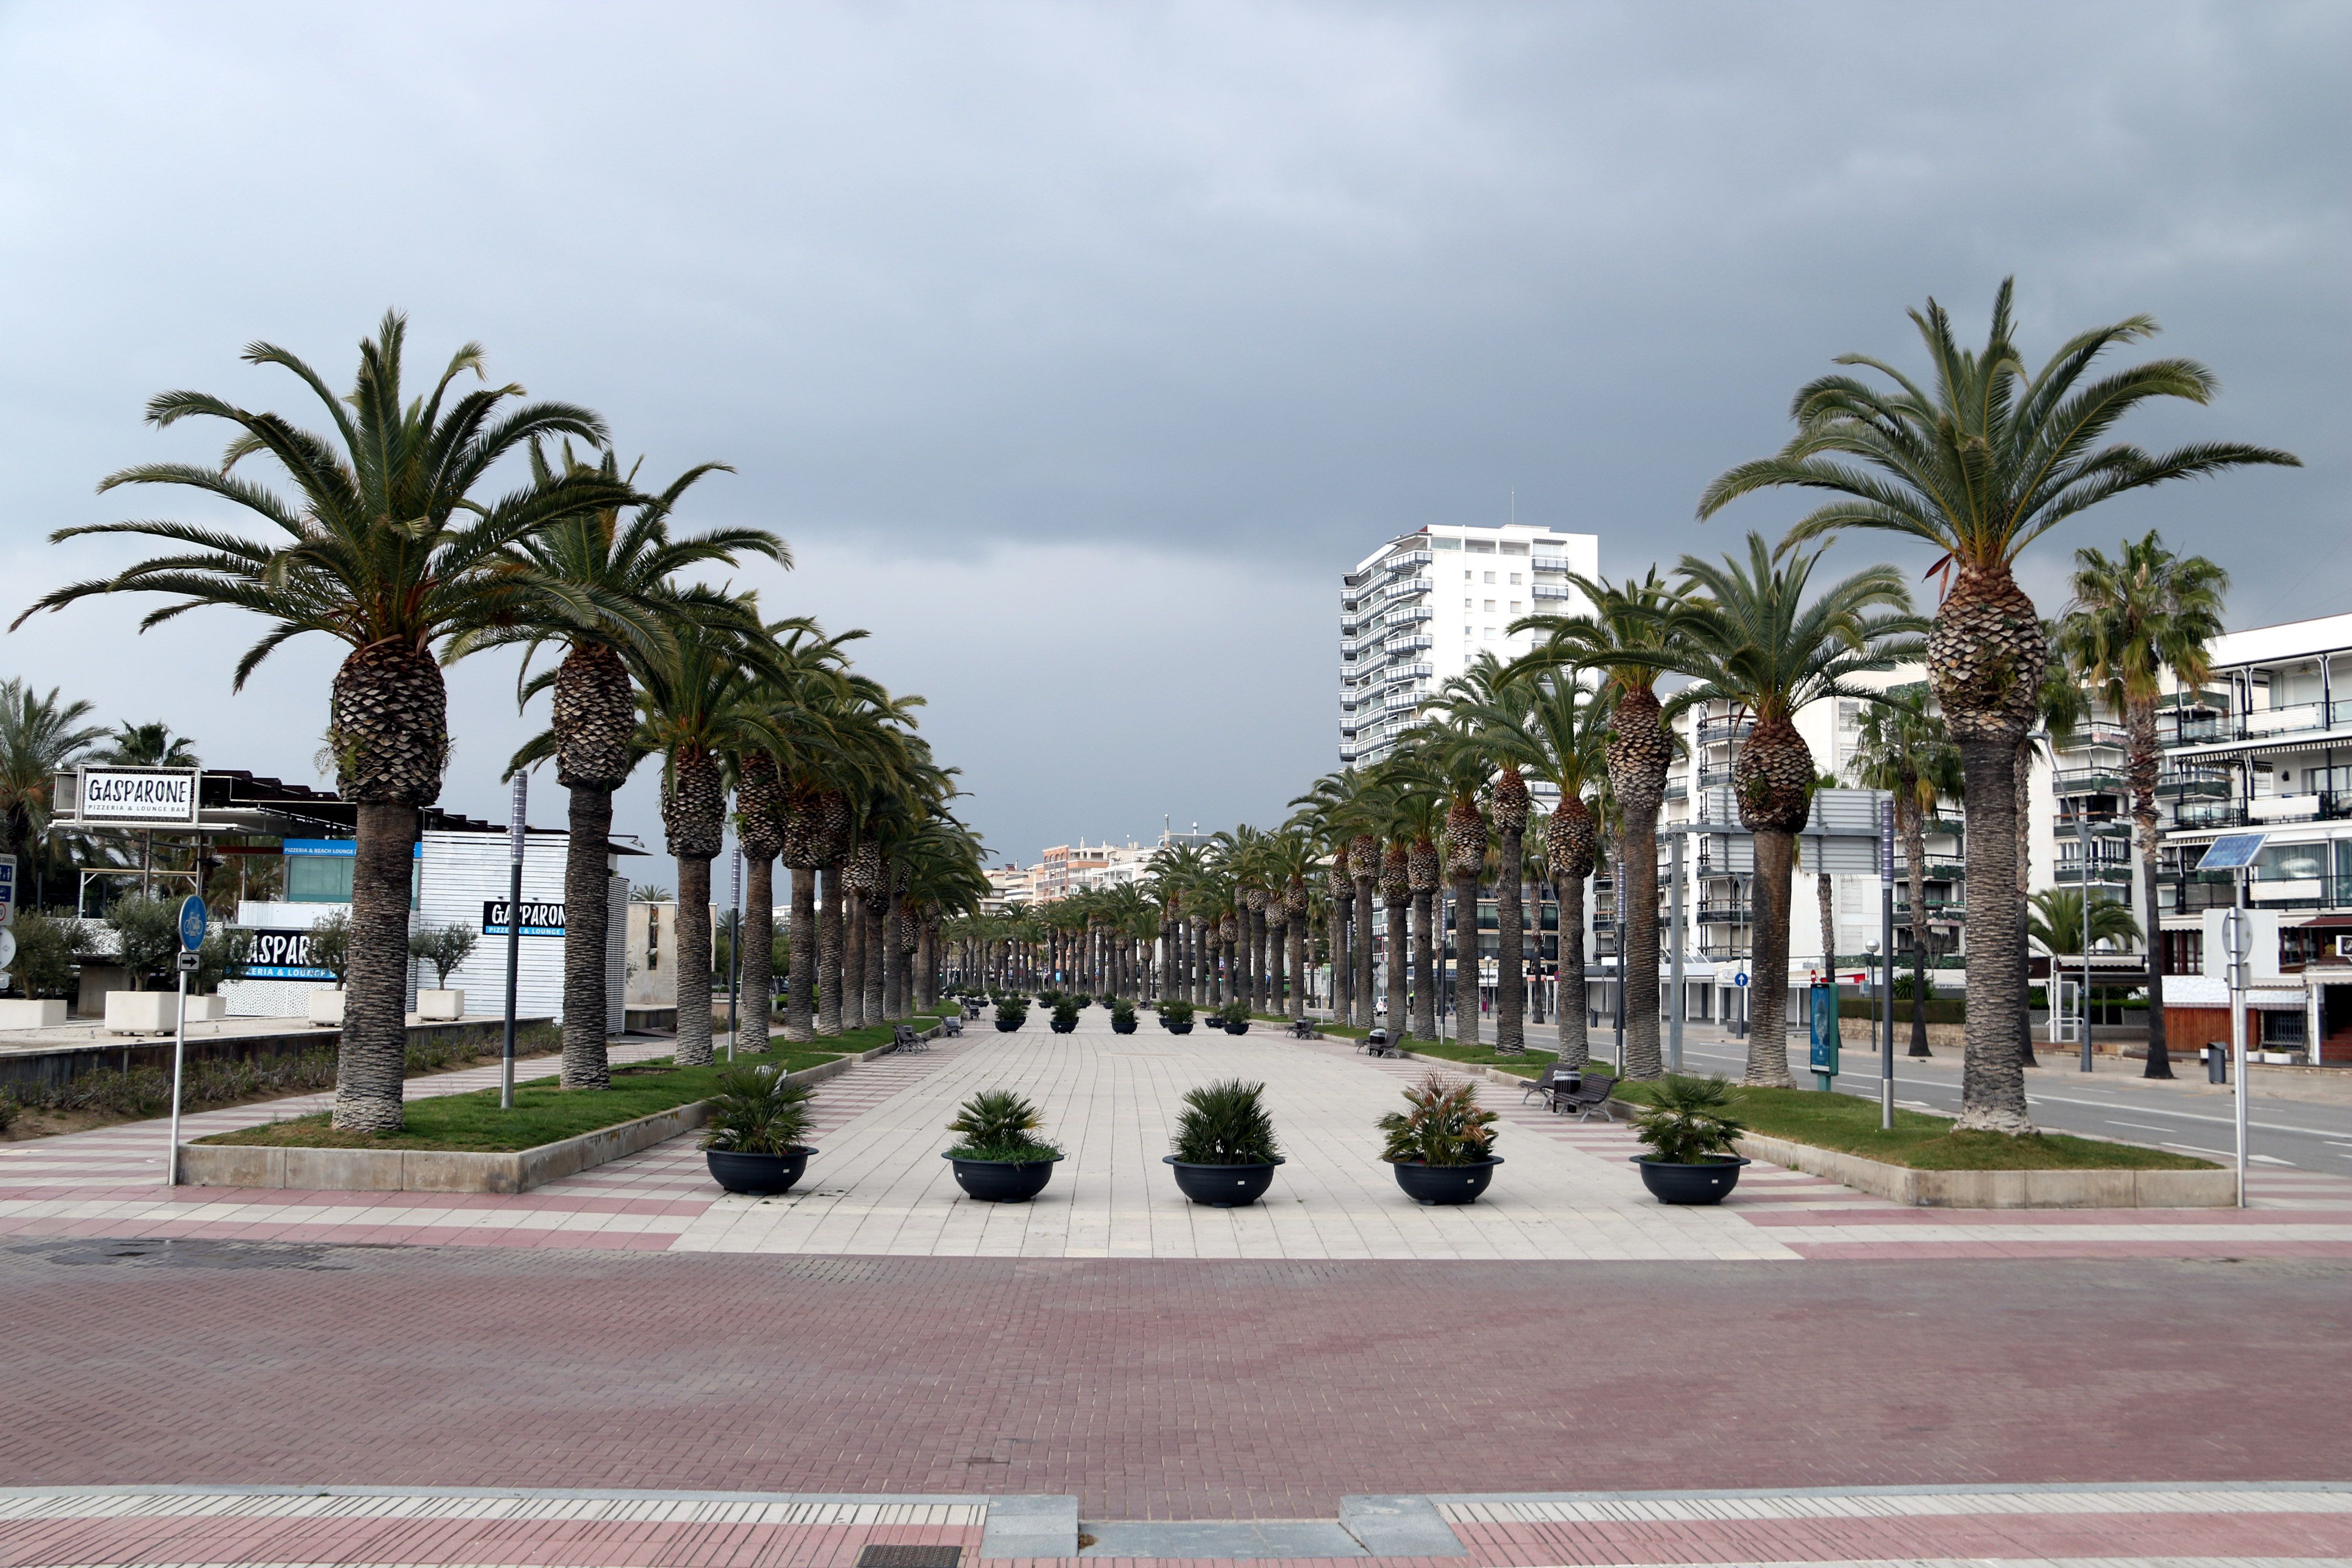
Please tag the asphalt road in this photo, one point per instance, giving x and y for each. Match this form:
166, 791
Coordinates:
2187, 1113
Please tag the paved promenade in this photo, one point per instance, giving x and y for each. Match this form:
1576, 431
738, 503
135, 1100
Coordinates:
628, 1367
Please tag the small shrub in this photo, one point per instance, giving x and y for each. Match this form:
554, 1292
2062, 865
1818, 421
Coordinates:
45, 954
446, 947
1012, 1010
996, 1125
757, 1111
1226, 1123
148, 932
330, 944
1233, 1012
1177, 1011
1444, 1125
1687, 1121
1122, 1012
1066, 1013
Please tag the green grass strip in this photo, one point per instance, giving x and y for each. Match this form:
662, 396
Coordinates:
543, 1113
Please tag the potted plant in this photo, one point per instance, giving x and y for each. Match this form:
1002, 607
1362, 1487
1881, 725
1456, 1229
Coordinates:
1226, 1151
997, 1160
1234, 1016
1443, 1147
1011, 1013
1689, 1130
1122, 1017
1176, 1016
752, 1141
1065, 1016
1084, 999
446, 947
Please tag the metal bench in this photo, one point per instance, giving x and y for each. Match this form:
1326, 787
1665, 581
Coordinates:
952, 1025
1304, 1029
1586, 1098
1379, 1043
903, 1037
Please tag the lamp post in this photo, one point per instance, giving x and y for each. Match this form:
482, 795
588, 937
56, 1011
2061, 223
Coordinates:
734, 946
514, 935
2083, 840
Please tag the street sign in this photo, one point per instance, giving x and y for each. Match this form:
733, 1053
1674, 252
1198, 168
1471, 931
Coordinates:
1825, 1019
1739, 977
7, 948
7, 891
188, 962
192, 916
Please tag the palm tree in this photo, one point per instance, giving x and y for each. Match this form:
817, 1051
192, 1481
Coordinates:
386, 550
1751, 637
2061, 708
599, 583
2134, 620
1629, 624
1981, 466
1460, 770
38, 738
2057, 921
1561, 738
1904, 748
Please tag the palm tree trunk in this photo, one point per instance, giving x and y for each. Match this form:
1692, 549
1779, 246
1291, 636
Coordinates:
798, 1025
2021, 1005
1510, 931
1360, 979
878, 938
1399, 939
1914, 850
831, 947
1468, 1027
1296, 930
1825, 900
373, 1060
1343, 965
1767, 1036
587, 928
1639, 755
852, 963
1261, 938
757, 965
1575, 1042
1424, 964
894, 951
694, 1047
1992, 1097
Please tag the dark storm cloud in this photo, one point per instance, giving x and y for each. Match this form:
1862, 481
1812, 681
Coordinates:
1236, 290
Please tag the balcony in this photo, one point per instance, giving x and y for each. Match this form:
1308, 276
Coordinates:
1940, 912
2103, 824
1405, 697
2100, 736
1551, 590
2193, 782
1934, 868
1724, 914
2263, 893
1409, 673
1722, 731
2254, 726
1409, 560
1406, 587
1677, 790
1551, 562
1714, 778
1411, 613
2262, 810
2088, 780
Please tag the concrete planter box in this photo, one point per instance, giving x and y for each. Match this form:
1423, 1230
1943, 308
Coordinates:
2003, 1189
207, 1009
440, 1006
141, 1012
327, 1006
441, 1171
20, 1014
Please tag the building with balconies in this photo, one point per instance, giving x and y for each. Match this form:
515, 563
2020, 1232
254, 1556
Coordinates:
1415, 612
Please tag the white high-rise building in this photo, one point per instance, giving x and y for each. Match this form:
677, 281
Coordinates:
1415, 612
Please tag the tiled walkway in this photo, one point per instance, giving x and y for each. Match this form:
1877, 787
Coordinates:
2111, 1527
1565, 1193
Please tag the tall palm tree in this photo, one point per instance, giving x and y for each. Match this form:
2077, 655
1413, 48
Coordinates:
2062, 708
1459, 768
40, 736
1904, 748
598, 584
388, 550
1492, 709
1980, 465
1560, 737
1755, 636
2146, 615
2057, 921
1629, 624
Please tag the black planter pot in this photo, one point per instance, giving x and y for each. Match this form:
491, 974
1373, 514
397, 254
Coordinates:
1002, 1181
1237, 1028
1444, 1183
1060, 1027
1006, 1026
1122, 1026
1221, 1186
1710, 1182
1183, 1028
764, 1174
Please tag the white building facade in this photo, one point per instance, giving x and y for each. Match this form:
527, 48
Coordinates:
1414, 613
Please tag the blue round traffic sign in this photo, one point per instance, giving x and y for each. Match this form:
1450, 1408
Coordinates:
192, 916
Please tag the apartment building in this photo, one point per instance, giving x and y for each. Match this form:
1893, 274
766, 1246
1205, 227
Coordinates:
1415, 612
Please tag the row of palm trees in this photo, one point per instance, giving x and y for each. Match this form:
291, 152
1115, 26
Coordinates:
387, 543
1981, 458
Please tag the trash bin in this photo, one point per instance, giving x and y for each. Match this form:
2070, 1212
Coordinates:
2217, 1062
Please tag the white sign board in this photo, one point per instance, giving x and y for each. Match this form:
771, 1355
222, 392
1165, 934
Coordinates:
138, 796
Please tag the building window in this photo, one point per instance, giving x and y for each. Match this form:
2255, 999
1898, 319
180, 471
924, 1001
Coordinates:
319, 878
1490, 634
1515, 578
1490, 577
2184, 953
1514, 606
1490, 606
1469, 603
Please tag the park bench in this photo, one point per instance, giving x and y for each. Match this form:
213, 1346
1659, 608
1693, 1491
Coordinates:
903, 1037
1304, 1029
1590, 1096
1379, 1043
952, 1025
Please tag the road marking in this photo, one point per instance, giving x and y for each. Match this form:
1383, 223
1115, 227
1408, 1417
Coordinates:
2140, 1126
2186, 1115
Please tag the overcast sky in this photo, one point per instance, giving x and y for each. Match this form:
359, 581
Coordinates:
1078, 350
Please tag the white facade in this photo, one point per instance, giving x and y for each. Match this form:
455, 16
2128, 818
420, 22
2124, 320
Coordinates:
1415, 612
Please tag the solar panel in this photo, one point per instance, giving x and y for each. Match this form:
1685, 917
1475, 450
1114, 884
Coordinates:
2232, 851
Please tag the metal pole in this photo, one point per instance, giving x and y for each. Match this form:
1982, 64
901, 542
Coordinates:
1886, 974
514, 935
2083, 838
2241, 954
1674, 954
179, 1058
734, 949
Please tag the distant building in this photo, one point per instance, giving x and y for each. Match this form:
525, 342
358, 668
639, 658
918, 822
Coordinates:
1415, 612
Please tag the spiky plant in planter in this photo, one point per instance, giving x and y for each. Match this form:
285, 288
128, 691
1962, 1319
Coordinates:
1012, 1012
1065, 1016
1442, 1145
1122, 1017
1226, 1151
1234, 1017
998, 1158
1176, 1015
1690, 1130
752, 1141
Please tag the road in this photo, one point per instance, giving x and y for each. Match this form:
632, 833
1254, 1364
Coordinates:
2186, 1114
